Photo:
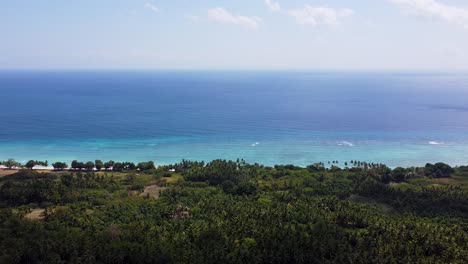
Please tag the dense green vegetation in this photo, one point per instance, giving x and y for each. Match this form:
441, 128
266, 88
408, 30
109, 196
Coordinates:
234, 212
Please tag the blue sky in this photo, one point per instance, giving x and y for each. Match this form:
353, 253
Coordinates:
235, 34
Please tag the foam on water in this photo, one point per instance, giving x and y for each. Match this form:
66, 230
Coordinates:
345, 143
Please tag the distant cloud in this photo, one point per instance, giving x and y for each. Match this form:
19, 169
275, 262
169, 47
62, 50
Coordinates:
221, 15
151, 6
273, 6
435, 9
310, 15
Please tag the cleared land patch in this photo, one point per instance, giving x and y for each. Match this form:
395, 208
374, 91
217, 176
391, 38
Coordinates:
36, 214
5, 172
153, 191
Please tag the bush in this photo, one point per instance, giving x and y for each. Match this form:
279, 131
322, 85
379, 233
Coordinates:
438, 170
59, 165
399, 174
137, 187
149, 165
246, 188
167, 174
228, 186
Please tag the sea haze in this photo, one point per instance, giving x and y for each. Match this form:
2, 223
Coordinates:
401, 119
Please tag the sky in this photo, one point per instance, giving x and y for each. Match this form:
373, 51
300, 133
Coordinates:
234, 34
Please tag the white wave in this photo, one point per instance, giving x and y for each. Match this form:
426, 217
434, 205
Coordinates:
435, 143
345, 143
255, 144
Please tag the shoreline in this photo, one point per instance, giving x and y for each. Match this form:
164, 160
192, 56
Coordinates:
328, 164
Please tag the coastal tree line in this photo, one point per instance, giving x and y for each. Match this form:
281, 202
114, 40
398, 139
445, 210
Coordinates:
398, 174
82, 166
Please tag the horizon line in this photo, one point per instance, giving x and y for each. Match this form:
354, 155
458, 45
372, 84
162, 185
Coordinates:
227, 70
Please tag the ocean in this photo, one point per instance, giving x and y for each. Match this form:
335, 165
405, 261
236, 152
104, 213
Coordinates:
400, 119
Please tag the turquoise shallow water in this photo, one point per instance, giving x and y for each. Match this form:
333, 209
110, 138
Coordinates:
266, 151
270, 118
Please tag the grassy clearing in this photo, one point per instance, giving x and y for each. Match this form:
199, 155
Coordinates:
174, 179
417, 184
381, 207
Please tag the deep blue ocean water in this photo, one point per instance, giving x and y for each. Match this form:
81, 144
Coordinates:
401, 119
